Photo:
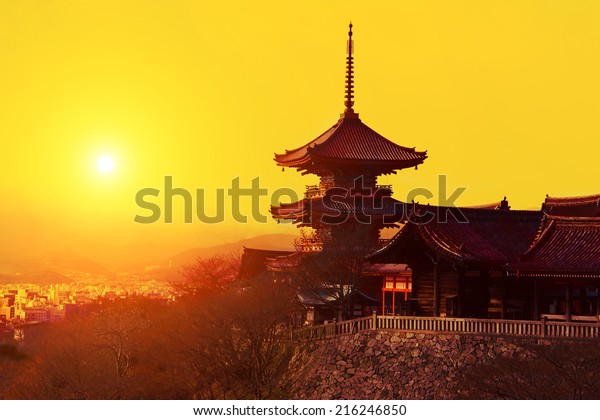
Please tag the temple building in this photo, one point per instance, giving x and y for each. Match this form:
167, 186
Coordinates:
478, 262
503, 263
347, 158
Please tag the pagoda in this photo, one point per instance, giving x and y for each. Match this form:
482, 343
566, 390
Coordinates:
347, 158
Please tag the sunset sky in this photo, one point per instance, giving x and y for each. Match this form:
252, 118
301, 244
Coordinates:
504, 96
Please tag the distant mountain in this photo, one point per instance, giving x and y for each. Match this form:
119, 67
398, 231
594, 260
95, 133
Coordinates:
42, 278
57, 266
272, 241
53, 262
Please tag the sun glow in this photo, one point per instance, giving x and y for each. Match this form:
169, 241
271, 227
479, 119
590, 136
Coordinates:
105, 164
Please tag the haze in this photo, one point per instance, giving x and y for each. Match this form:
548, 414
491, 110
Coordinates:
503, 95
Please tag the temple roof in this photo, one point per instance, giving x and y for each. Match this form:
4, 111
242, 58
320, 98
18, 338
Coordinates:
378, 269
564, 245
254, 262
326, 207
466, 235
351, 142
572, 206
290, 262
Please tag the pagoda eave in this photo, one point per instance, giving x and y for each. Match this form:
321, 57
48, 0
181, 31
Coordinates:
314, 164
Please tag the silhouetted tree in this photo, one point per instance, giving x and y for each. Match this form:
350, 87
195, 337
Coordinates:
208, 275
123, 351
333, 274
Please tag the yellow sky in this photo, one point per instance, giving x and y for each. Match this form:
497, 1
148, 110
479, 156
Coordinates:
502, 94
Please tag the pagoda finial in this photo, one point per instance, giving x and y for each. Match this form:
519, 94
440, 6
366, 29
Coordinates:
349, 75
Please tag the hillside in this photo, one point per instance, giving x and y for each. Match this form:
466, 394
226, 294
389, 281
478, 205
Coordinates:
272, 241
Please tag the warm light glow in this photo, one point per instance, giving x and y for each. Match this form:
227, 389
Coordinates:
502, 95
105, 164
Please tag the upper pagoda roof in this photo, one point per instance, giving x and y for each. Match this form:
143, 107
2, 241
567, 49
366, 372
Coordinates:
350, 142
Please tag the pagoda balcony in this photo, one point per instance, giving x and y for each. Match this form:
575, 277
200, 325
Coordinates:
315, 191
320, 190
309, 245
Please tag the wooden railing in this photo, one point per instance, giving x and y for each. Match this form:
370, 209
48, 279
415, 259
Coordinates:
543, 328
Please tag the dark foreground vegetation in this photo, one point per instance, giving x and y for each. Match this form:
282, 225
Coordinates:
219, 340
223, 339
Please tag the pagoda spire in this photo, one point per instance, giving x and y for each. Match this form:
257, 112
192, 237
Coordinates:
349, 103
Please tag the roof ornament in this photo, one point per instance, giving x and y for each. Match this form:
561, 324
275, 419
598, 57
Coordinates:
349, 74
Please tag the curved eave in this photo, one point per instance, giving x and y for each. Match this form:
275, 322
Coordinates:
567, 274
438, 244
313, 209
310, 160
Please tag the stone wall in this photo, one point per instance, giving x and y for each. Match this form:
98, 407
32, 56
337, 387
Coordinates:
394, 365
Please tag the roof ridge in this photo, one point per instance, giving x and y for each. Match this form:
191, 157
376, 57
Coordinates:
574, 199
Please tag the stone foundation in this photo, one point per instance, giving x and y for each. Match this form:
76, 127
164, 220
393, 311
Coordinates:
394, 365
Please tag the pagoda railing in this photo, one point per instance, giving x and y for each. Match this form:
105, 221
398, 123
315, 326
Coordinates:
309, 245
320, 190
314, 191
540, 329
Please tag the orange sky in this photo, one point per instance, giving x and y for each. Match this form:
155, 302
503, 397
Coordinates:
503, 95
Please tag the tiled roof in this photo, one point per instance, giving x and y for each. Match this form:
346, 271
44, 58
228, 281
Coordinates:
324, 208
254, 262
288, 262
491, 236
573, 206
381, 269
351, 141
468, 235
564, 245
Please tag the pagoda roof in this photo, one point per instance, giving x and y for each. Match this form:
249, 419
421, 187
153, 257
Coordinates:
254, 261
465, 235
307, 209
564, 246
351, 142
583, 206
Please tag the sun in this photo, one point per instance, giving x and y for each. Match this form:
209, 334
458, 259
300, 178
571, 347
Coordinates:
105, 163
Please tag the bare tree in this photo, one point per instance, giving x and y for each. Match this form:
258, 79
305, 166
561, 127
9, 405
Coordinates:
115, 329
333, 274
208, 275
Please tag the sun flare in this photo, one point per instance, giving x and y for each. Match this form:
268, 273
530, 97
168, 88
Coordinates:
105, 164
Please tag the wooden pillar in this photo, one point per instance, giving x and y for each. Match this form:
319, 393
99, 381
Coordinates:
536, 300
597, 304
503, 298
394, 301
461, 276
383, 300
436, 288
568, 302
